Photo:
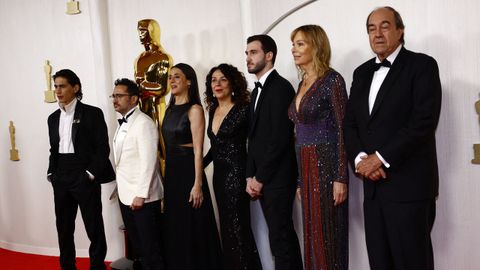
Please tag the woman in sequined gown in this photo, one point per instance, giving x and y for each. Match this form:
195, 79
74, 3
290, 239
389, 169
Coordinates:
317, 112
190, 233
227, 98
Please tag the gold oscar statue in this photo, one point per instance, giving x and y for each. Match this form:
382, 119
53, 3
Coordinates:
151, 73
73, 7
476, 147
49, 94
13, 151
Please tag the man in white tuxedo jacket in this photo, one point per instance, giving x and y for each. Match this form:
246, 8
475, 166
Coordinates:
138, 174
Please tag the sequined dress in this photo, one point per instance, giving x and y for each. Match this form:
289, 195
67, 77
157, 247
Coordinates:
321, 161
191, 239
228, 152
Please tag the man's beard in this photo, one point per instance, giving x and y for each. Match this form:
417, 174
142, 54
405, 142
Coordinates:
259, 66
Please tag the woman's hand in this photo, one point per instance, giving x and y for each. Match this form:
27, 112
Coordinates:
340, 193
196, 196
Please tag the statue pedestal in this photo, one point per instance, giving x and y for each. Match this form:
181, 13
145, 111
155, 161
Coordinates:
476, 147
476, 154
14, 155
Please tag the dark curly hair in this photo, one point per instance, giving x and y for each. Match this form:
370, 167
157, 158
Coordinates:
238, 84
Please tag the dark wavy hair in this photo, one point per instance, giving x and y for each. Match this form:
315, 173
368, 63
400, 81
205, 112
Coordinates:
193, 93
238, 84
72, 79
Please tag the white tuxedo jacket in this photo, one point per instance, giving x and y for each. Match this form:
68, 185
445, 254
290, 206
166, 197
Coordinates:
136, 161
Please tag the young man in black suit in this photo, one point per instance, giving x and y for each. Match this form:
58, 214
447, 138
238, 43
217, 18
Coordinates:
390, 124
78, 165
271, 163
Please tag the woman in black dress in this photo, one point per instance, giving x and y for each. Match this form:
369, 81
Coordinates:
227, 98
191, 236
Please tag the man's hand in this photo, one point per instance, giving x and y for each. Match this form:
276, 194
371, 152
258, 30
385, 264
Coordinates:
369, 165
377, 175
254, 188
137, 203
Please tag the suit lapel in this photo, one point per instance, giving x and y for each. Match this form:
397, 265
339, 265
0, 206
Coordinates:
118, 147
263, 93
77, 119
56, 123
366, 87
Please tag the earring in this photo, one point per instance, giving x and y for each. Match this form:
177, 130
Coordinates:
233, 93
213, 95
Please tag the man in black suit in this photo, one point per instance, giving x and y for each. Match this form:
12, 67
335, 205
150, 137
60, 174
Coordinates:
390, 123
78, 165
271, 164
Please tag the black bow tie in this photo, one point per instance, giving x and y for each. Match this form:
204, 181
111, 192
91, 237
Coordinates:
124, 119
384, 63
258, 85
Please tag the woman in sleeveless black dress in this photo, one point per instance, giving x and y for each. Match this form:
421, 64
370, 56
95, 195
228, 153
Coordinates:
227, 98
191, 236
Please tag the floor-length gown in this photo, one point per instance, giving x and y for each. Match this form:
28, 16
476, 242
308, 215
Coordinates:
228, 152
190, 235
321, 161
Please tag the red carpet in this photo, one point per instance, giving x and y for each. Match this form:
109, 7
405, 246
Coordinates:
10, 260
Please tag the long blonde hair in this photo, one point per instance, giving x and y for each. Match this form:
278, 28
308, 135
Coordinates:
316, 37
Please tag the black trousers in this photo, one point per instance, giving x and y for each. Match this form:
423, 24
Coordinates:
143, 230
72, 190
398, 234
277, 206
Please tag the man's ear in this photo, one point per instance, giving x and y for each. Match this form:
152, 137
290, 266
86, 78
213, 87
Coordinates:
76, 88
136, 99
269, 56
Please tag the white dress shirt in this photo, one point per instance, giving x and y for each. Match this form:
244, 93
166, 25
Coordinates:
377, 80
262, 81
65, 146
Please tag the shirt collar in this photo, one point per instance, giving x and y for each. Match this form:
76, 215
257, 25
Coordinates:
129, 113
70, 107
265, 76
392, 56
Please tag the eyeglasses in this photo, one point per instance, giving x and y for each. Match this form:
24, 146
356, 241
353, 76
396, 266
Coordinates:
117, 96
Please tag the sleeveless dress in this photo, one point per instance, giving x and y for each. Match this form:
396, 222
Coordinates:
229, 154
321, 161
190, 235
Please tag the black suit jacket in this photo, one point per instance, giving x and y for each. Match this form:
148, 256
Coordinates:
271, 150
90, 141
401, 126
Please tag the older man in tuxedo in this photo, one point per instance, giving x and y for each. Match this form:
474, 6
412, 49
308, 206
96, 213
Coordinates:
138, 174
78, 164
390, 124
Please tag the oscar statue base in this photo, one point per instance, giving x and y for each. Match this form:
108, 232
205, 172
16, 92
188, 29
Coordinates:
73, 7
50, 96
14, 155
476, 152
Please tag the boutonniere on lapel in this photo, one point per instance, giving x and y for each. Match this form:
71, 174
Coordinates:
76, 121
